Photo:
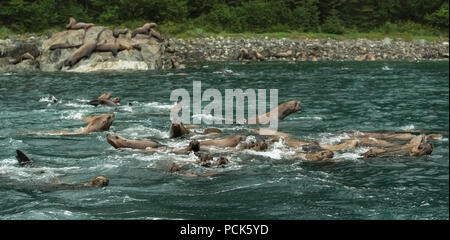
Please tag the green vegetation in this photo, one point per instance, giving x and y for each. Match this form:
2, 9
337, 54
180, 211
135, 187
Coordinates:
407, 19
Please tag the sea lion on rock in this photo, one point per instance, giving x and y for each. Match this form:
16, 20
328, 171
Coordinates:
143, 30
62, 46
120, 142
117, 32
84, 51
114, 48
283, 54
176, 64
73, 25
156, 35
177, 130
24, 56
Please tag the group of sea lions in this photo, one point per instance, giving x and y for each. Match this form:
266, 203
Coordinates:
379, 144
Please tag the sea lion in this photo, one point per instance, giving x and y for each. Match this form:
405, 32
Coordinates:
62, 46
105, 102
256, 146
222, 161
205, 160
258, 56
284, 110
120, 142
283, 54
177, 130
114, 48
230, 141
417, 146
174, 168
326, 154
98, 123
143, 30
176, 64
156, 35
117, 32
73, 25
23, 160
99, 181
24, 56
84, 51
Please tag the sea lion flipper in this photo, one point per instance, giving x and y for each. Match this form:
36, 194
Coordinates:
22, 158
94, 102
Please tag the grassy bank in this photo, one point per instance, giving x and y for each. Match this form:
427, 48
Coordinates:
181, 31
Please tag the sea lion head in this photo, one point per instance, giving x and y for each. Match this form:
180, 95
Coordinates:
320, 155
177, 130
174, 168
194, 146
205, 160
147, 26
288, 108
115, 99
421, 149
99, 181
102, 122
222, 161
116, 141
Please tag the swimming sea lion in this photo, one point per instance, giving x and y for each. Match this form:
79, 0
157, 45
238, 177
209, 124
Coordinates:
120, 142
284, 110
205, 160
117, 32
23, 159
99, 181
84, 51
417, 146
326, 154
174, 168
230, 141
105, 102
222, 161
177, 130
98, 123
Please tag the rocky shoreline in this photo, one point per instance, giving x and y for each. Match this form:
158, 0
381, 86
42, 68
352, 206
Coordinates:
153, 54
275, 49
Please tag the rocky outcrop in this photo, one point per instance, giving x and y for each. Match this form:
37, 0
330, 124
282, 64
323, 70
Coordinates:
143, 52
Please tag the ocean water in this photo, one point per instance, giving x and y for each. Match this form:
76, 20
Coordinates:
336, 97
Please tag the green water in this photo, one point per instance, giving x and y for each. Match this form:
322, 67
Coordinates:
336, 97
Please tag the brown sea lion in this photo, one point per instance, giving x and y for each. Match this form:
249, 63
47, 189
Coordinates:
283, 54
176, 64
417, 146
24, 56
174, 168
98, 123
326, 154
177, 130
117, 32
205, 160
105, 102
284, 110
258, 56
120, 142
62, 46
230, 141
73, 25
143, 30
84, 51
156, 35
222, 161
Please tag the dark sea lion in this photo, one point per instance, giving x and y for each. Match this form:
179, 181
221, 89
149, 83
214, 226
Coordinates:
117, 32
174, 168
156, 35
84, 51
205, 160
62, 46
105, 102
222, 161
177, 130
120, 142
230, 141
24, 56
23, 160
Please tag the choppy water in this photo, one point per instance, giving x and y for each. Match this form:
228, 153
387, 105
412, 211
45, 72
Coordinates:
336, 97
